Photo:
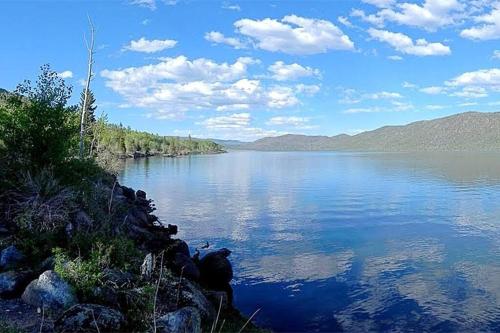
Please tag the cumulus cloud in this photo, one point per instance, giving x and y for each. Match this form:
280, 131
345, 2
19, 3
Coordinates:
177, 85
288, 121
488, 28
294, 35
65, 74
404, 44
283, 72
352, 96
236, 120
150, 46
488, 78
307, 89
218, 38
234, 7
235, 126
430, 15
433, 90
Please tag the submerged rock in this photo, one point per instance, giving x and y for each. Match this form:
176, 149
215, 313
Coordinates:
13, 283
90, 318
49, 291
215, 269
181, 321
10, 257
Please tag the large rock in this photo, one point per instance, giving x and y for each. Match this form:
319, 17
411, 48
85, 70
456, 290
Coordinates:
128, 192
10, 257
177, 246
12, 283
90, 318
185, 320
49, 291
215, 269
192, 296
185, 266
218, 299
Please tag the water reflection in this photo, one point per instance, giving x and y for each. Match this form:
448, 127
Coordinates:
352, 242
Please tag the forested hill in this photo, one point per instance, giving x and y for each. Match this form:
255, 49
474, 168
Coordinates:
470, 131
123, 141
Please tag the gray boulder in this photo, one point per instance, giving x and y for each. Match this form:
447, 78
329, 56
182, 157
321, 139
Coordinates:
10, 257
87, 317
13, 283
192, 296
181, 321
49, 291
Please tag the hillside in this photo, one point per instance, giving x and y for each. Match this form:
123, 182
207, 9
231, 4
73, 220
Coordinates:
470, 131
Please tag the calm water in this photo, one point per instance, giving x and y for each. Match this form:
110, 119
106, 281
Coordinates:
344, 242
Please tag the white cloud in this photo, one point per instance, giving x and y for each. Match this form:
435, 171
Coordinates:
151, 4
483, 78
404, 44
65, 74
352, 96
488, 28
234, 7
218, 38
409, 85
345, 21
150, 46
177, 85
379, 3
430, 15
496, 54
435, 107
308, 89
433, 90
395, 58
288, 121
283, 72
236, 120
471, 92
294, 35
235, 126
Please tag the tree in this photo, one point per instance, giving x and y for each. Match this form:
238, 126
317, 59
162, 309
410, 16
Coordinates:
90, 108
36, 126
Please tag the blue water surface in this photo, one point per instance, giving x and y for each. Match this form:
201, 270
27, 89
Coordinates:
349, 242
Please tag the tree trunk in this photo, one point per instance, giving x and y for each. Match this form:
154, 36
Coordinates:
90, 49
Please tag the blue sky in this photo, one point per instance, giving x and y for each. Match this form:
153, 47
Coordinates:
249, 69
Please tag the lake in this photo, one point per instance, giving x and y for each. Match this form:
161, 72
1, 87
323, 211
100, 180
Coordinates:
351, 242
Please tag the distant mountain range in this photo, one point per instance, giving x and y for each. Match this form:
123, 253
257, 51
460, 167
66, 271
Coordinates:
470, 131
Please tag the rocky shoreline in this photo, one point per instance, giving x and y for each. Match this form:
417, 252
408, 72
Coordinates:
181, 291
139, 154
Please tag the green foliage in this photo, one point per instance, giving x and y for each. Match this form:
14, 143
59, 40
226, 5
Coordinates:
140, 307
38, 246
83, 262
37, 129
121, 141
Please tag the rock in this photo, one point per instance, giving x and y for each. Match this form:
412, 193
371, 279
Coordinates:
90, 318
215, 269
177, 246
13, 283
128, 192
117, 278
147, 266
185, 266
140, 194
181, 321
82, 221
10, 257
105, 295
192, 296
49, 291
215, 298
141, 217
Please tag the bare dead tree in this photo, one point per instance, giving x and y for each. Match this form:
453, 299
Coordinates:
90, 49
